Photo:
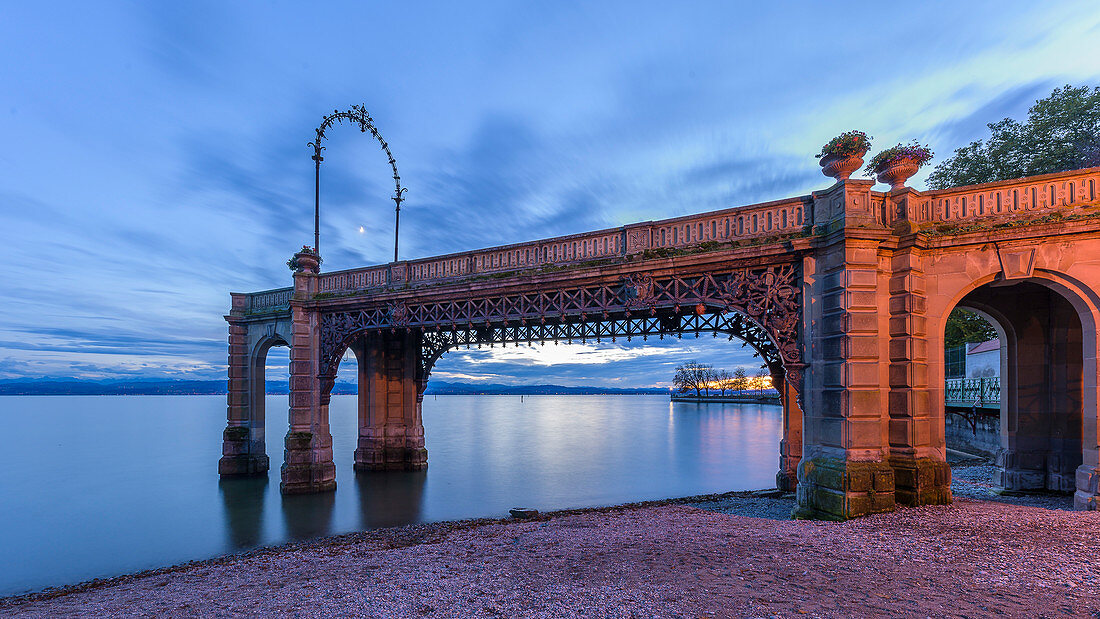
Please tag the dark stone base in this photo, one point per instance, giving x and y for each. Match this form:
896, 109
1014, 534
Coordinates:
240, 454
243, 465
308, 478
921, 481
787, 481
301, 473
834, 489
1086, 498
391, 459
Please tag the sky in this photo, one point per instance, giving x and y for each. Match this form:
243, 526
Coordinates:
156, 152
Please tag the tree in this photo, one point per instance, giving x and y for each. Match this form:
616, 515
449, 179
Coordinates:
763, 379
722, 381
740, 379
1062, 132
965, 327
693, 376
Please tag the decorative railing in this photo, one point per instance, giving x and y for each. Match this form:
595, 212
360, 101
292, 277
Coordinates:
1037, 193
973, 392
1064, 190
767, 219
268, 301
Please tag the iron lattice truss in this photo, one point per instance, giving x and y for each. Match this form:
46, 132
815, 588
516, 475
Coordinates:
435, 343
638, 305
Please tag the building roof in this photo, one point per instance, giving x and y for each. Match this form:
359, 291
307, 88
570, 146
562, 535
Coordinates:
994, 344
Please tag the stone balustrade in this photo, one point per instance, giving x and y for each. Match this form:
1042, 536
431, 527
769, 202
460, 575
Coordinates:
1036, 193
768, 219
268, 301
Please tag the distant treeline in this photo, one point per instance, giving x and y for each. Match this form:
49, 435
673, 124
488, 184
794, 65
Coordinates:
700, 379
218, 387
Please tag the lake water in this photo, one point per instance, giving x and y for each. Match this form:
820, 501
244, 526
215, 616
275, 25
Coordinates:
98, 486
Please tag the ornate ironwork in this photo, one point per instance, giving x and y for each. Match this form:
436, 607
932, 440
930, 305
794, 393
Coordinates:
768, 297
356, 115
978, 392
732, 324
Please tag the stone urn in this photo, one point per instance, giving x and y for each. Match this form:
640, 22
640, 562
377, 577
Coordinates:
896, 172
306, 261
841, 167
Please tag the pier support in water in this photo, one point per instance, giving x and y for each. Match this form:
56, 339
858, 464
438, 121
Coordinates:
244, 449
307, 457
391, 393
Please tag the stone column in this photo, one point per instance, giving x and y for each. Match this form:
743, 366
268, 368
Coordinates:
391, 392
307, 462
844, 470
918, 449
243, 448
790, 447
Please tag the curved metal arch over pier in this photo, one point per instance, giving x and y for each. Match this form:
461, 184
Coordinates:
845, 293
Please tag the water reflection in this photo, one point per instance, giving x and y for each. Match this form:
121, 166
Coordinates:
308, 515
390, 498
60, 524
243, 502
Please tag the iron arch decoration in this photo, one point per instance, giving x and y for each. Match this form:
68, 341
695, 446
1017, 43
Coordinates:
357, 115
760, 306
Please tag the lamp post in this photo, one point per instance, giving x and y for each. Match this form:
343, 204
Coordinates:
357, 115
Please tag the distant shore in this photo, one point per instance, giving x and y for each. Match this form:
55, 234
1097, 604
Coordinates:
218, 387
731, 399
733, 554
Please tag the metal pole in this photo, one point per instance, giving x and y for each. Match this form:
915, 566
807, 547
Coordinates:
317, 206
396, 226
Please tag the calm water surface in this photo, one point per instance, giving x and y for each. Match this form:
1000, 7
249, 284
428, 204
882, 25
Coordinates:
101, 485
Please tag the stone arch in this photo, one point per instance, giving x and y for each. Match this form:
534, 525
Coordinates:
244, 445
1049, 378
257, 378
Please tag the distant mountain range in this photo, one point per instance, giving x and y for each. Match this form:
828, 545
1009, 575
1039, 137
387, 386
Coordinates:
74, 386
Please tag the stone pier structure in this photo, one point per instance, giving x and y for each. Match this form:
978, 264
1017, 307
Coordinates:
844, 293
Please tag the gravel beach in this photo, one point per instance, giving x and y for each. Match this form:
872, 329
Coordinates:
734, 555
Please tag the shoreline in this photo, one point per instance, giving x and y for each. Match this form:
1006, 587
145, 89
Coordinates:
684, 556
382, 535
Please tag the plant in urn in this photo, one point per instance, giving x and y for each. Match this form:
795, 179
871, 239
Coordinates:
896, 164
843, 155
305, 260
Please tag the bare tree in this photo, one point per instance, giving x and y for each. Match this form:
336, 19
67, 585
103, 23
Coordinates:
740, 380
762, 379
723, 381
693, 376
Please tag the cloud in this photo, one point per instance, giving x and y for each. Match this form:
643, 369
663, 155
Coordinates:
163, 159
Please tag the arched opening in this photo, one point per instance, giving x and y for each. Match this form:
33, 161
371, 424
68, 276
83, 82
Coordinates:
1043, 383
567, 442
974, 347
270, 379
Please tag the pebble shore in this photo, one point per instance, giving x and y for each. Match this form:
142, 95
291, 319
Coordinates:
734, 555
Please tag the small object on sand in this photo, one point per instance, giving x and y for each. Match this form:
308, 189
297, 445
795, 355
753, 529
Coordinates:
523, 512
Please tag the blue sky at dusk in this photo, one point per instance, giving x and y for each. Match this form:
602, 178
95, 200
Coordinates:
156, 152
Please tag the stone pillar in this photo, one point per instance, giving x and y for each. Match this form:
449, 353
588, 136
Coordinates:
391, 392
918, 449
243, 448
790, 447
307, 462
844, 470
